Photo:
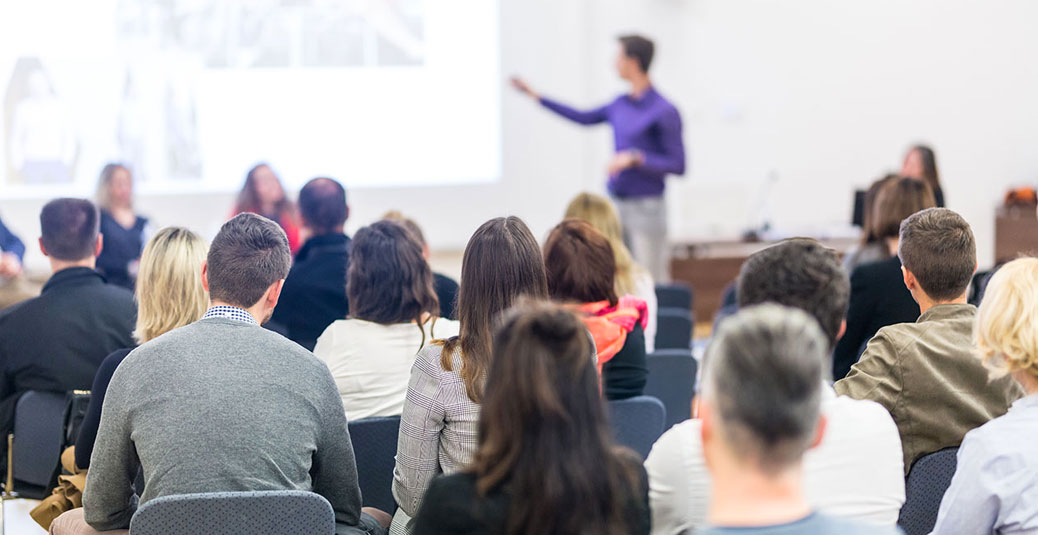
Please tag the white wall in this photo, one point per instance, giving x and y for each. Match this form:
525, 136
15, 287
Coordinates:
823, 94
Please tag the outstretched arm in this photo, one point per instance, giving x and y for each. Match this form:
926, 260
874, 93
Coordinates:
588, 117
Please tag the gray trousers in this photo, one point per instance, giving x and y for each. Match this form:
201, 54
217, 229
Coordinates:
644, 221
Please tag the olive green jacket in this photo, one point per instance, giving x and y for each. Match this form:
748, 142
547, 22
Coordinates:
928, 376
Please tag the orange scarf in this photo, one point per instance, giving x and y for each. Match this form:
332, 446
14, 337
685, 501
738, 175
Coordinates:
609, 325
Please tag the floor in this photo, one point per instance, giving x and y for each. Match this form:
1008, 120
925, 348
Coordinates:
16, 519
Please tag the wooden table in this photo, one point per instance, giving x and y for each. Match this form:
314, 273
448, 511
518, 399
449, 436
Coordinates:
710, 265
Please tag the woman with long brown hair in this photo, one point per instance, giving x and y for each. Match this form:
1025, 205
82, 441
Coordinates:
264, 195
546, 462
393, 315
438, 427
921, 164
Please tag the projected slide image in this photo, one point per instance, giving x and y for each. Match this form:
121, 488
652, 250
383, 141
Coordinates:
192, 93
280, 33
41, 144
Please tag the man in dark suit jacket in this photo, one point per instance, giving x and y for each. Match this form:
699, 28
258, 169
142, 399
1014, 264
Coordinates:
314, 294
56, 341
878, 298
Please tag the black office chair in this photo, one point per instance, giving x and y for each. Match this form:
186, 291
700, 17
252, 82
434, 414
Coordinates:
374, 444
672, 380
673, 329
927, 482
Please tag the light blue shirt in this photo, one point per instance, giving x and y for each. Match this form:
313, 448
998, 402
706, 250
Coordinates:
813, 524
995, 488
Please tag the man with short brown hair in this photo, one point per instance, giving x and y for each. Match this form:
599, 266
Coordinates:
925, 372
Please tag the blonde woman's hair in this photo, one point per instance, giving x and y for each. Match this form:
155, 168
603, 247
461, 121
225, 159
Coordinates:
601, 214
169, 283
103, 196
1007, 323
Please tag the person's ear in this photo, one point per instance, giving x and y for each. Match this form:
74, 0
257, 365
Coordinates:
100, 245
909, 278
42, 248
819, 431
274, 293
843, 329
707, 431
205, 275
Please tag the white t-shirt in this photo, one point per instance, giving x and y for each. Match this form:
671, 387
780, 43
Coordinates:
856, 472
371, 362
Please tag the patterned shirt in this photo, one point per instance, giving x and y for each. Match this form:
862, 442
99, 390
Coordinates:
229, 312
439, 431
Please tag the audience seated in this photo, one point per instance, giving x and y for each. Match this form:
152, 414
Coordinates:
631, 278
12, 284
392, 317
996, 480
542, 420
222, 404
446, 287
925, 373
438, 429
169, 294
838, 480
315, 289
122, 228
581, 270
55, 342
878, 295
264, 195
754, 444
873, 246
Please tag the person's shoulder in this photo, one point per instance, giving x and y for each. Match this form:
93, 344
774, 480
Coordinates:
877, 269
680, 441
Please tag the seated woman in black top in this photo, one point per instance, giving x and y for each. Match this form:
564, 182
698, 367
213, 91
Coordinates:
878, 293
545, 462
123, 230
169, 295
581, 269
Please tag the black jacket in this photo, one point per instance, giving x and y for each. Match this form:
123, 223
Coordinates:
314, 295
55, 342
121, 247
878, 298
447, 293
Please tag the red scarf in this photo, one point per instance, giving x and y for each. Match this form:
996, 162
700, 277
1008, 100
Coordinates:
609, 325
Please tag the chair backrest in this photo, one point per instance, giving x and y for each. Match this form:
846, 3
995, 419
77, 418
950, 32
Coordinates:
281, 512
672, 380
673, 329
39, 435
927, 482
374, 444
675, 295
637, 422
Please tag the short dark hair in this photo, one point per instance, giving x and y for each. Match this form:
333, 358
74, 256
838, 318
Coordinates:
248, 255
580, 264
322, 204
938, 247
68, 228
799, 273
389, 281
641, 49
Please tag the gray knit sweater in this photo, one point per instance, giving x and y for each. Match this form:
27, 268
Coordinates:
220, 405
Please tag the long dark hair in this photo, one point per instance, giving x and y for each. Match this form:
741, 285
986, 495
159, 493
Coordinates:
389, 281
249, 201
580, 264
929, 160
896, 200
868, 234
543, 433
502, 263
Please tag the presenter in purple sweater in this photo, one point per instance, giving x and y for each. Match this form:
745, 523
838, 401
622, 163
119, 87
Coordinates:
647, 136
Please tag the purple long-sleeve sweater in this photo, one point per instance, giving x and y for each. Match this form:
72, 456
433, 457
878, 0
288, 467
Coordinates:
650, 125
